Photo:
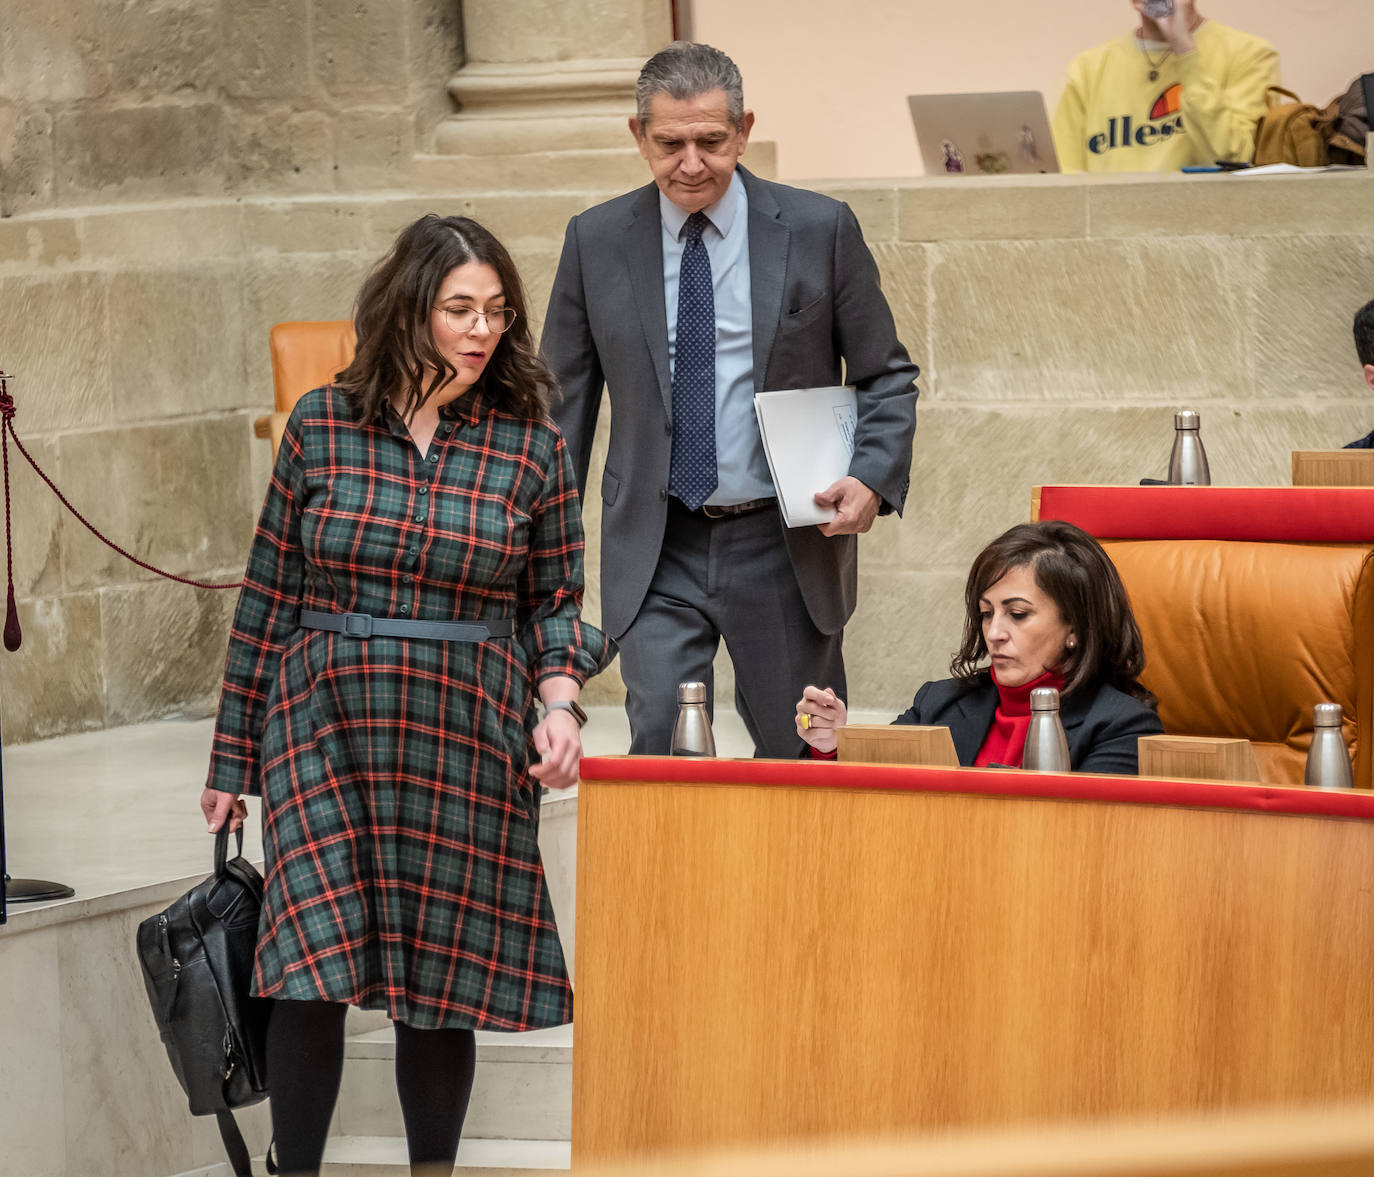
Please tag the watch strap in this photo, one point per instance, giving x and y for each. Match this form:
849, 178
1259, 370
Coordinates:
571, 706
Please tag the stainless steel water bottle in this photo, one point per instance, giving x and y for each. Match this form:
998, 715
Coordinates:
1328, 760
1188, 461
1046, 748
692, 731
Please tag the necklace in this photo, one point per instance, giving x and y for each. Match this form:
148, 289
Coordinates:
1151, 62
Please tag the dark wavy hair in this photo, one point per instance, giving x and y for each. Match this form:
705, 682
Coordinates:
396, 347
1071, 568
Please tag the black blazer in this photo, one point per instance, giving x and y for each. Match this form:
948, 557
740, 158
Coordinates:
1102, 726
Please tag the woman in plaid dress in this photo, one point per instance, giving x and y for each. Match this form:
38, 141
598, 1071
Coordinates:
415, 579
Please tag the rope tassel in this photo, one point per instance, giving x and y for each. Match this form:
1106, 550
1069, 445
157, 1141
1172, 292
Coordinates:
14, 635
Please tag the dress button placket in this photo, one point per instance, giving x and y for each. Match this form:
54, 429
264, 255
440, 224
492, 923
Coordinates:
420, 514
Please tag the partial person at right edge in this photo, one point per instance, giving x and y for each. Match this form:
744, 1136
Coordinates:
1046, 607
1181, 90
1364, 348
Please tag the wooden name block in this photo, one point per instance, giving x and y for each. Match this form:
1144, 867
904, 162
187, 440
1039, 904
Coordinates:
1204, 758
881, 743
1333, 467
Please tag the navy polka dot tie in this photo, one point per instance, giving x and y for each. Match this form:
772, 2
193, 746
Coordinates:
692, 474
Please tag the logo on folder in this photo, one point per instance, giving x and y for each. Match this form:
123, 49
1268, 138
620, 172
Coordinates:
1163, 123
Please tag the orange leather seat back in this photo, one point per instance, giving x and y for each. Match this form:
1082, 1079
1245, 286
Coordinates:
306, 355
1243, 638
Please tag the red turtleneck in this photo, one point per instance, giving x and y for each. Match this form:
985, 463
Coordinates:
1006, 739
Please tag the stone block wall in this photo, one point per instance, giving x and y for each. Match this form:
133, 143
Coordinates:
1058, 323
109, 100
136, 340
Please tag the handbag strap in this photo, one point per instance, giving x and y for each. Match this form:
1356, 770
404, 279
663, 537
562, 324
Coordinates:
1269, 96
237, 1150
222, 846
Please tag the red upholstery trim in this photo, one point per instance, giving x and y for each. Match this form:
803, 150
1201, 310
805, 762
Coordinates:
1319, 514
994, 782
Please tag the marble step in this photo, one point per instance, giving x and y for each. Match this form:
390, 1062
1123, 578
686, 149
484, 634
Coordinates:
522, 1089
385, 1156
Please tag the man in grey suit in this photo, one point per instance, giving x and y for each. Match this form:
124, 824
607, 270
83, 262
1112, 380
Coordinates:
685, 298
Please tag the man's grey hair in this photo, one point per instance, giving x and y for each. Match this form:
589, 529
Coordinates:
686, 69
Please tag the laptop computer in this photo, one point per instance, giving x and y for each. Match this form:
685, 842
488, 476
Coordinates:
1005, 133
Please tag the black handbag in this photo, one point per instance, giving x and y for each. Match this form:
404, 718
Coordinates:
197, 959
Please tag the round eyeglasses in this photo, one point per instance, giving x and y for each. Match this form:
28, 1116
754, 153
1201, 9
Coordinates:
462, 319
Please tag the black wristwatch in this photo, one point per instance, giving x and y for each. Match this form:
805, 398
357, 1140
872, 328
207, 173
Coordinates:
569, 705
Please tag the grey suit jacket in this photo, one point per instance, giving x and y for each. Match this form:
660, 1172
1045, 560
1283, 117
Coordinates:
816, 302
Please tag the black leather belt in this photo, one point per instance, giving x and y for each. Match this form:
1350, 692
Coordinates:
730, 510
364, 625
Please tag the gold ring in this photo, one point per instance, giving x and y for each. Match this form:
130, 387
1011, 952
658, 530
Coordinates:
806, 720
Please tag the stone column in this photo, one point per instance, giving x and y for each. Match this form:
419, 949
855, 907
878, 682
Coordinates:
513, 107
552, 76
545, 93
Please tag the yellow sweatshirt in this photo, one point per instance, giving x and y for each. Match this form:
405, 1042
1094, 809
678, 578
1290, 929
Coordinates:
1202, 107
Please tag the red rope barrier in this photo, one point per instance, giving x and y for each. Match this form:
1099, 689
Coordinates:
13, 635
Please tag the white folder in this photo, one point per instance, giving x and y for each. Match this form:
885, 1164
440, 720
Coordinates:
808, 438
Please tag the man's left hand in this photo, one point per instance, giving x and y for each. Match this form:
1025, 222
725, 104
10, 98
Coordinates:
856, 506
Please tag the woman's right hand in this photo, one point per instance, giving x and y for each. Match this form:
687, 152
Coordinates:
217, 805
820, 713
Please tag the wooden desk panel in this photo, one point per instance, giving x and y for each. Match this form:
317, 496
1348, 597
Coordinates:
1207, 758
1283, 1142
1333, 467
758, 963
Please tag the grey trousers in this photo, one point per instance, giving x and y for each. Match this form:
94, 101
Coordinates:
732, 579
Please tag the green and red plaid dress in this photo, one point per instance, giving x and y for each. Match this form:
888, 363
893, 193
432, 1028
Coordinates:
399, 816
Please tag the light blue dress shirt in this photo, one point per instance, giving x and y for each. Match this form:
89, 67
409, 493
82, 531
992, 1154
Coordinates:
742, 469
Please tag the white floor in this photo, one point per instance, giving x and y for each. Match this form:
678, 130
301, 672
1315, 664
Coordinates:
112, 811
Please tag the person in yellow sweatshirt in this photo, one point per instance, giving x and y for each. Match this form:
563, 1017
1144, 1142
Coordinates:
1179, 90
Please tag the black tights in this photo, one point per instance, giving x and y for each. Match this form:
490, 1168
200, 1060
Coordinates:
305, 1052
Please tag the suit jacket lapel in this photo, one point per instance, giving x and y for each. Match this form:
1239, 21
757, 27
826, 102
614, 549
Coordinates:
644, 259
1073, 711
768, 241
977, 708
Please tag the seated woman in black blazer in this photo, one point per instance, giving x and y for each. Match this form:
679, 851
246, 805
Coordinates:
1046, 607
